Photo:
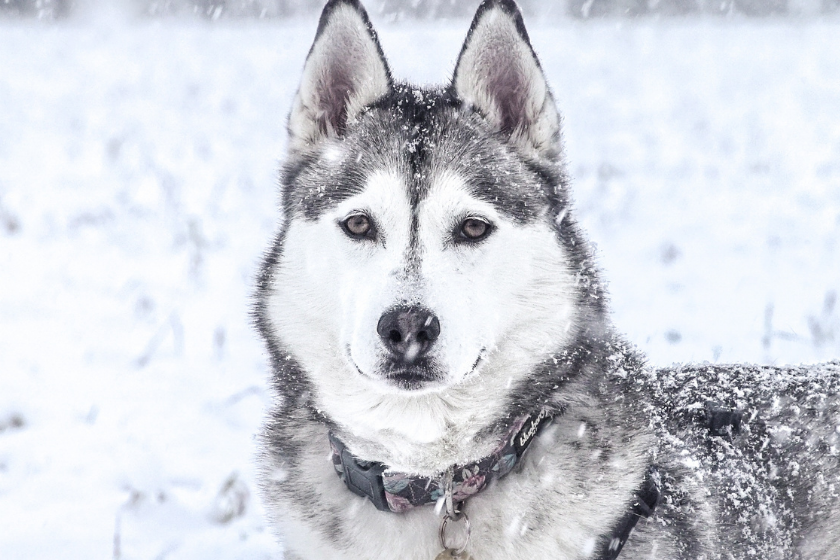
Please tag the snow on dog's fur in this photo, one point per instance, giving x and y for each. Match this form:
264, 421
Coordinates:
429, 285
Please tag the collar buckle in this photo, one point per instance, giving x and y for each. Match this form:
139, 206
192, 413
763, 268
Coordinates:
361, 477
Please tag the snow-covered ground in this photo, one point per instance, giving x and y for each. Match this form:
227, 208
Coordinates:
137, 191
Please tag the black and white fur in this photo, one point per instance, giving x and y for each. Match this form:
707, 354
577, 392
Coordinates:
523, 326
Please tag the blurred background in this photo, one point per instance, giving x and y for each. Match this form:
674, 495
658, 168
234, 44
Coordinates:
139, 147
428, 9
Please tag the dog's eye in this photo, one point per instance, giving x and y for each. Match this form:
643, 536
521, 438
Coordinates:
358, 226
474, 229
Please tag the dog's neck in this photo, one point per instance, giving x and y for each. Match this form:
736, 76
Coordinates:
425, 438
428, 435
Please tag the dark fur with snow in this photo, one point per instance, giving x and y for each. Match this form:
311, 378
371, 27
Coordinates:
770, 491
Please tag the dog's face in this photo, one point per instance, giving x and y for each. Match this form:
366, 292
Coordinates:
421, 252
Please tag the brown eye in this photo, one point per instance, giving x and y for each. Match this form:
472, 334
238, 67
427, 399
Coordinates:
474, 229
358, 226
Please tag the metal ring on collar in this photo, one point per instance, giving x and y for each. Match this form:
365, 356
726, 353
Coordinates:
442, 533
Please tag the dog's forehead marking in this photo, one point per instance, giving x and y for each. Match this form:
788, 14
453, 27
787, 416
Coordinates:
419, 138
393, 201
410, 225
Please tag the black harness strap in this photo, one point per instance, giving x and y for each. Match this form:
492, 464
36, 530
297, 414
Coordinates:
645, 502
720, 420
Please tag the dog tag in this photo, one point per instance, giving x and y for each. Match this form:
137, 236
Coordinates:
450, 554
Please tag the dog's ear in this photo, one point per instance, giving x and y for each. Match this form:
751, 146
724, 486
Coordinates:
499, 75
344, 72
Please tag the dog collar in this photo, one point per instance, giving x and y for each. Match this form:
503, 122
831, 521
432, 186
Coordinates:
399, 492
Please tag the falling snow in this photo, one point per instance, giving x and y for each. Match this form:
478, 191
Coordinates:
137, 191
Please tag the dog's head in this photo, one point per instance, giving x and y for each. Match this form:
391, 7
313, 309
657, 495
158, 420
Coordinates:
426, 249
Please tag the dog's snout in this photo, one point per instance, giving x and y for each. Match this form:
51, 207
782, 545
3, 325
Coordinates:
408, 332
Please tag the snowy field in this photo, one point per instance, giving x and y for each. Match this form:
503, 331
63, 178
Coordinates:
137, 191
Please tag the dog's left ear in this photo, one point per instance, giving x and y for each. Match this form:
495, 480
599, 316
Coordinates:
499, 75
344, 72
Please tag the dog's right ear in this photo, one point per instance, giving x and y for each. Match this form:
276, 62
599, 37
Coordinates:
344, 72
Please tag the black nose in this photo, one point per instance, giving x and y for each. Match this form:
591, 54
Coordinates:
408, 332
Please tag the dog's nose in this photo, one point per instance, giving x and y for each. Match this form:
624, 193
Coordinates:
408, 332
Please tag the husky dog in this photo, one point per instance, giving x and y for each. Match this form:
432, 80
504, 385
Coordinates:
448, 383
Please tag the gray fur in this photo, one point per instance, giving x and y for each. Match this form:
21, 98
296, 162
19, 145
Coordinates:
769, 491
